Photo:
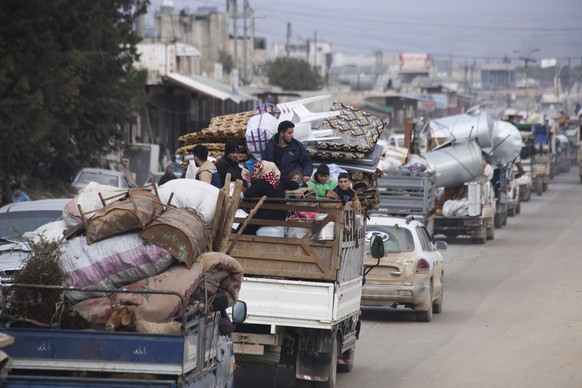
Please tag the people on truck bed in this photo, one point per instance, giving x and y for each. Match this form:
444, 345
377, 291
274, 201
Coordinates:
322, 181
297, 176
207, 171
229, 163
345, 193
266, 180
288, 153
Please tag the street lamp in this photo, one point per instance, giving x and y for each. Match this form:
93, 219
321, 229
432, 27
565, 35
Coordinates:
527, 59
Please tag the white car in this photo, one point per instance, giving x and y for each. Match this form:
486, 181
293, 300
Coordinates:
411, 271
18, 219
101, 176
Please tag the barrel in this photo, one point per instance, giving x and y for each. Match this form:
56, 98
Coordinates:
464, 127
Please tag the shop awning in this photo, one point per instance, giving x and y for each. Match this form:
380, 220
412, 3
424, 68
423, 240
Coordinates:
201, 84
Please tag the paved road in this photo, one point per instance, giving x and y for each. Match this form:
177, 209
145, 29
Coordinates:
512, 312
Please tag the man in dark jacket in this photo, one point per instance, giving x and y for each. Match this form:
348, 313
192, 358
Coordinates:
229, 163
287, 153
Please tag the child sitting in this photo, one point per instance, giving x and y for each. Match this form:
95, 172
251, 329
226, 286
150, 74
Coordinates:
321, 181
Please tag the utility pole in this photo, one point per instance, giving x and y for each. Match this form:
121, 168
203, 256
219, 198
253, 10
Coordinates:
315, 50
288, 41
527, 59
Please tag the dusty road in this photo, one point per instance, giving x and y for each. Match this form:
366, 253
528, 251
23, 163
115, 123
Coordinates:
512, 311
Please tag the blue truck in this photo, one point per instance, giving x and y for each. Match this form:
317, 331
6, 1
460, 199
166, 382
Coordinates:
200, 356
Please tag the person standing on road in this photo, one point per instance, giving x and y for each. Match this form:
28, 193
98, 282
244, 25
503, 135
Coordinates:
17, 194
288, 153
168, 175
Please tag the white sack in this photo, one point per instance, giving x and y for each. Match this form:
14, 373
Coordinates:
191, 193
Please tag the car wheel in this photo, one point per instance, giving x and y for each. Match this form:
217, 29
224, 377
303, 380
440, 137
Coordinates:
426, 316
437, 306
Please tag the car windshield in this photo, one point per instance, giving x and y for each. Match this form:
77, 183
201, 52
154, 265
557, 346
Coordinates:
14, 224
395, 239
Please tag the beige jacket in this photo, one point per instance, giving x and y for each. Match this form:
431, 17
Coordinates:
205, 171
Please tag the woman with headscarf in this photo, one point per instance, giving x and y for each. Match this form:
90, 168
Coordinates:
266, 180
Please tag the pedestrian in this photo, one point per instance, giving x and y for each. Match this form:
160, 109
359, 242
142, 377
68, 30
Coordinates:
229, 163
168, 175
206, 169
288, 153
322, 181
17, 194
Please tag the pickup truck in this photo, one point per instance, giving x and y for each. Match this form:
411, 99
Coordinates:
478, 221
198, 357
406, 193
303, 291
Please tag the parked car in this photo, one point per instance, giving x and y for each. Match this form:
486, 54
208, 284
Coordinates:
101, 176
410, 273
18, 219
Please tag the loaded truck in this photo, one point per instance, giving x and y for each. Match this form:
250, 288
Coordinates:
302, 285
53, 356
407, 193
477, 218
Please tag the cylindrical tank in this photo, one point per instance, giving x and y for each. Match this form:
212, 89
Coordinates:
507, 141
455, 164
464, 127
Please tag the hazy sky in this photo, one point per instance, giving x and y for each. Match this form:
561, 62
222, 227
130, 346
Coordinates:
463, 29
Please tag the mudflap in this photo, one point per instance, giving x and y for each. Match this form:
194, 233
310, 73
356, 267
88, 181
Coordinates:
314, 354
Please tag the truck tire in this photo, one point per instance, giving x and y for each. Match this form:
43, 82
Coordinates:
478, 240
511, 211
332, 373
348, 364
498, 221
544, 187
538, 185
518, 208
490, 232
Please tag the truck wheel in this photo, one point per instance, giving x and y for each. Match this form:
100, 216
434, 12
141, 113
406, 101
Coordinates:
348, 364
497, 221
518, 208
504, 218
330, 383
580, 178
511, 211
478, 240
544, 187
539, 185
490, 233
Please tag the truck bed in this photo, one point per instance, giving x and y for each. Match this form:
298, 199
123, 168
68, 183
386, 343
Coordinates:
337, 258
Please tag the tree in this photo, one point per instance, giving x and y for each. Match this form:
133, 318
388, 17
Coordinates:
293, 74
67, 83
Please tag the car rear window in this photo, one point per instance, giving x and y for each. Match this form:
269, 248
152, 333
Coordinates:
102, 179
14, 224
395, 239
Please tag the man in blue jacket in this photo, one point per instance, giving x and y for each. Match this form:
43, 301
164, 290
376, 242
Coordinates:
287, 153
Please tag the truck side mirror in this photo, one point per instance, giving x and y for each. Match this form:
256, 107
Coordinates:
377, 247
239, 312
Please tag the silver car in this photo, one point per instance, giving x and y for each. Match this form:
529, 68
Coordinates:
411, 271
18, 219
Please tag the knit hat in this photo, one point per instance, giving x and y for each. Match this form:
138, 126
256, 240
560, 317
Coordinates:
322, 169
230, 146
